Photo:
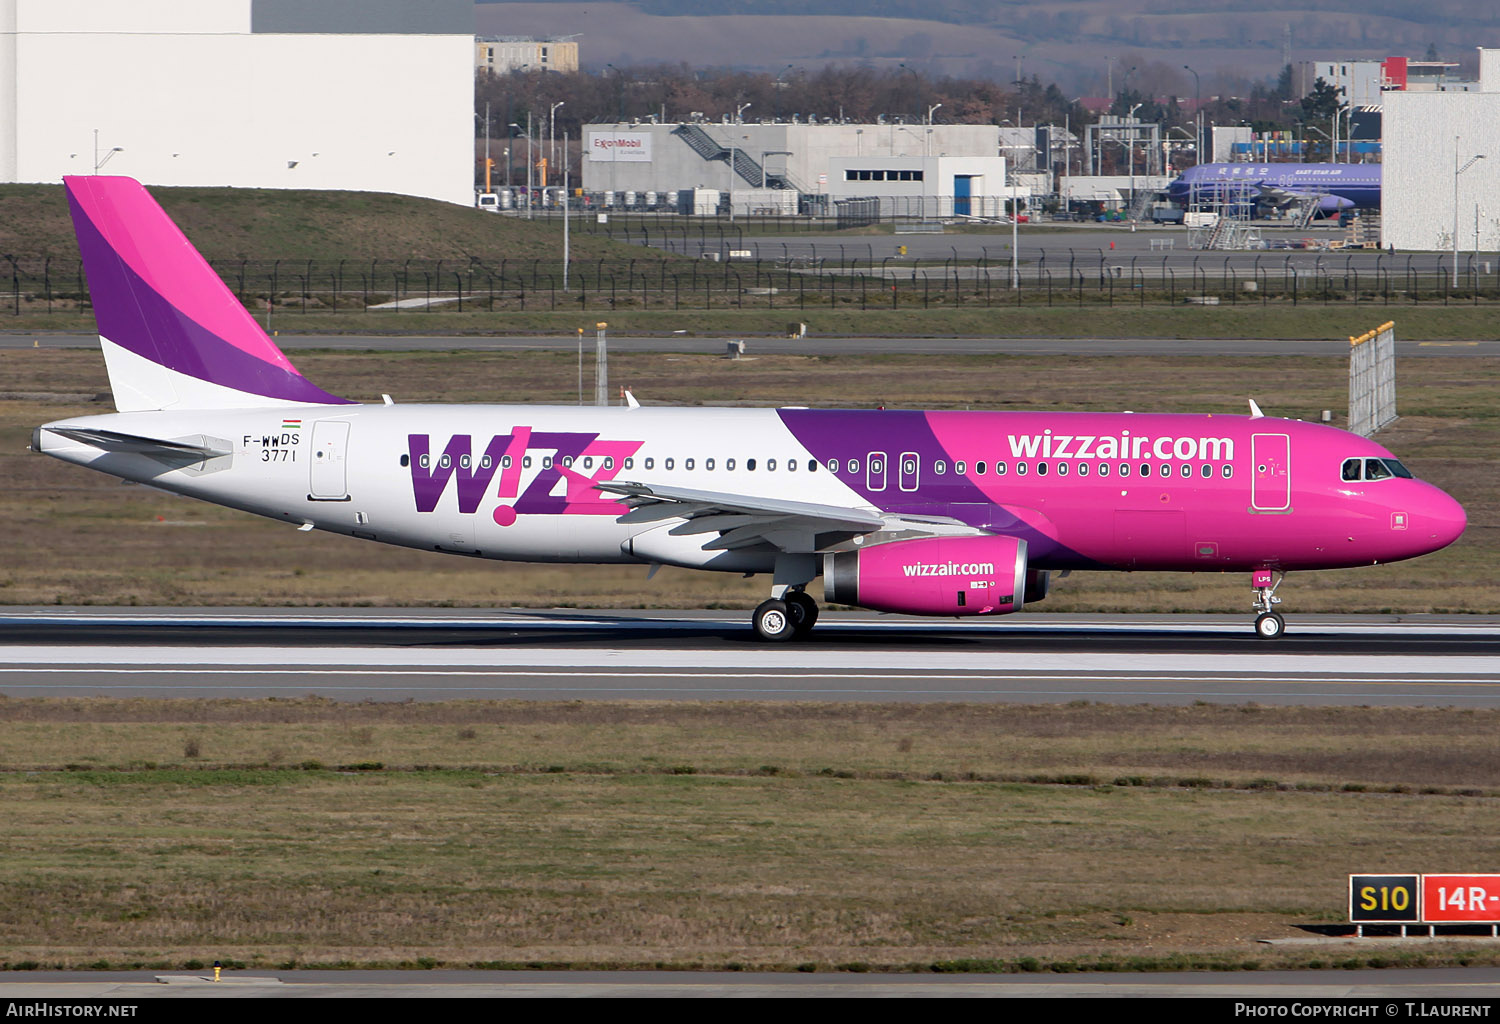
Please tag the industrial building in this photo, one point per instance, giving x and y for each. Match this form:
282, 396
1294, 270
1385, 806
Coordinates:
1441, 176
500, 55
241, 93
810, 157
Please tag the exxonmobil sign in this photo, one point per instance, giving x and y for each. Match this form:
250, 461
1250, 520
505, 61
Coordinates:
621, 147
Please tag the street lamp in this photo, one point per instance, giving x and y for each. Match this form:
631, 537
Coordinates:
113, 150
1130, 117
552, 138
1197, 114
1457, 170
930, 110
739, 110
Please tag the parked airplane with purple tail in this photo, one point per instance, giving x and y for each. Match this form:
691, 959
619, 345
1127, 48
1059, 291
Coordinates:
1335, 187
928, 513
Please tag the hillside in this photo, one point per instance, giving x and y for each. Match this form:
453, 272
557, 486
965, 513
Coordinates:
271, 224
1063, 41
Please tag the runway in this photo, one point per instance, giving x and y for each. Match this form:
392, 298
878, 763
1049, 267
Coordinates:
565, 655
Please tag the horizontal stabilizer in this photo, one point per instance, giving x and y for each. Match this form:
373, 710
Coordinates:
196, 447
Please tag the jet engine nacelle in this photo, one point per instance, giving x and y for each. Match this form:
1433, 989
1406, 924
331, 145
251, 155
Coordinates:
931, 576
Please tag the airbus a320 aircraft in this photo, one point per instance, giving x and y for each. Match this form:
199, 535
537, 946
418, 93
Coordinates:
928, 513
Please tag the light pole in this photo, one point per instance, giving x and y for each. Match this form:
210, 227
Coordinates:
930, 110
738, 111
552, 138
1197, 115
113, 150
1457, 170
1131, 118
776, 93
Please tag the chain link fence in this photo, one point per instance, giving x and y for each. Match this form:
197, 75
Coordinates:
782, 275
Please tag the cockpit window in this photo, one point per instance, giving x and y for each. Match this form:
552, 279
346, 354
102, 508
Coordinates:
1352, 468
1375, 469
1394, 465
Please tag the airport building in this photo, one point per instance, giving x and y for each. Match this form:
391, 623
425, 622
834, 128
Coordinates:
500, 55
827, 159
1441, 175
241, 93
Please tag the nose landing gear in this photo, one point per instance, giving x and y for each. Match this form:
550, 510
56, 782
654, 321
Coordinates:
1269, 625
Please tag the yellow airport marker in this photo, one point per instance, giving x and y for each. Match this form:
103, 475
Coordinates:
217, 968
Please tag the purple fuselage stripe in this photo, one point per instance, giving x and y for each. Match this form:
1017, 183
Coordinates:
841, 434
135, 316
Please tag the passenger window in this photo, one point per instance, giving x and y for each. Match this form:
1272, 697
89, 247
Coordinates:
1020, 469
650, 463
729, 464
588, 462
1376, 469
708, 464
567, 462
939, 467
405, 460
445, 460
1207, 471
1228, 471
1104, 469
1124, 469
979, 468
791, 465
1351, 469
526, 462
770, 466
833, 465
1000, 469
1166, 470
547, 462
854, 465
1145, 469
1083, 469
667, 463
1062, 469
1187, 471
609, 462
750, 465
960, 467
812, 465
1041, 469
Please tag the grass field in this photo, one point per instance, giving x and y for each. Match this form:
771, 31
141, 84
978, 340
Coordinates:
926, 837
76, 537
1094, 320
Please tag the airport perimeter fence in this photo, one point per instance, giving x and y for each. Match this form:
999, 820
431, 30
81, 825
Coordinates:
819, 276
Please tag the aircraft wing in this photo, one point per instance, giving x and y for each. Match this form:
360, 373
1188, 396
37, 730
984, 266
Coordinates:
748, 520
1274, 195
197, 447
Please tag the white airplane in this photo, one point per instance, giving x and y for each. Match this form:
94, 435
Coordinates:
930, 513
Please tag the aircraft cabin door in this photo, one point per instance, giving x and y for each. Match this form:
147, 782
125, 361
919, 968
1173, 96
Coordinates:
1271, 459
330, 445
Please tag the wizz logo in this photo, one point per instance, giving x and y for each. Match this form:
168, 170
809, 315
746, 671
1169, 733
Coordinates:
576, 460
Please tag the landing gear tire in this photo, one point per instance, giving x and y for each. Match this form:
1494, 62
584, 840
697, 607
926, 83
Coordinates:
1269, 626
773, 621
804, 611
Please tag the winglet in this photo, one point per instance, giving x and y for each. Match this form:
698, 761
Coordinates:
1255, 413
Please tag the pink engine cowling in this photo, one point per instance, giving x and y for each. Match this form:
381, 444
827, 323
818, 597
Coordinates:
931, 576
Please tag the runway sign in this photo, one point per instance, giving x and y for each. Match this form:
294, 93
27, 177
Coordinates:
1385, 899
1468, 899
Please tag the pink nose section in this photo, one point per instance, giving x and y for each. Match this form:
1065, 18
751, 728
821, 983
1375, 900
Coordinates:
1443, 520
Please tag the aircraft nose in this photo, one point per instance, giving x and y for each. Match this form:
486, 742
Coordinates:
1441, 519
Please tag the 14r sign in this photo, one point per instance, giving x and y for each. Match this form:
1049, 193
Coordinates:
1461, 898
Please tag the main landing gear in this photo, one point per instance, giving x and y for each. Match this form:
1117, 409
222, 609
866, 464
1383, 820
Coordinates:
790, 616
1269, 625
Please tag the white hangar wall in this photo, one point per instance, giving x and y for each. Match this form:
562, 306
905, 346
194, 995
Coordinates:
1424, 132
245, 93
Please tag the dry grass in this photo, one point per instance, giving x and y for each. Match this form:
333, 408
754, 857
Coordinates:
766, 835
76, 537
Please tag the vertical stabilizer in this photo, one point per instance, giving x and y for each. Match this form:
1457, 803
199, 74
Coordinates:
174, 336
